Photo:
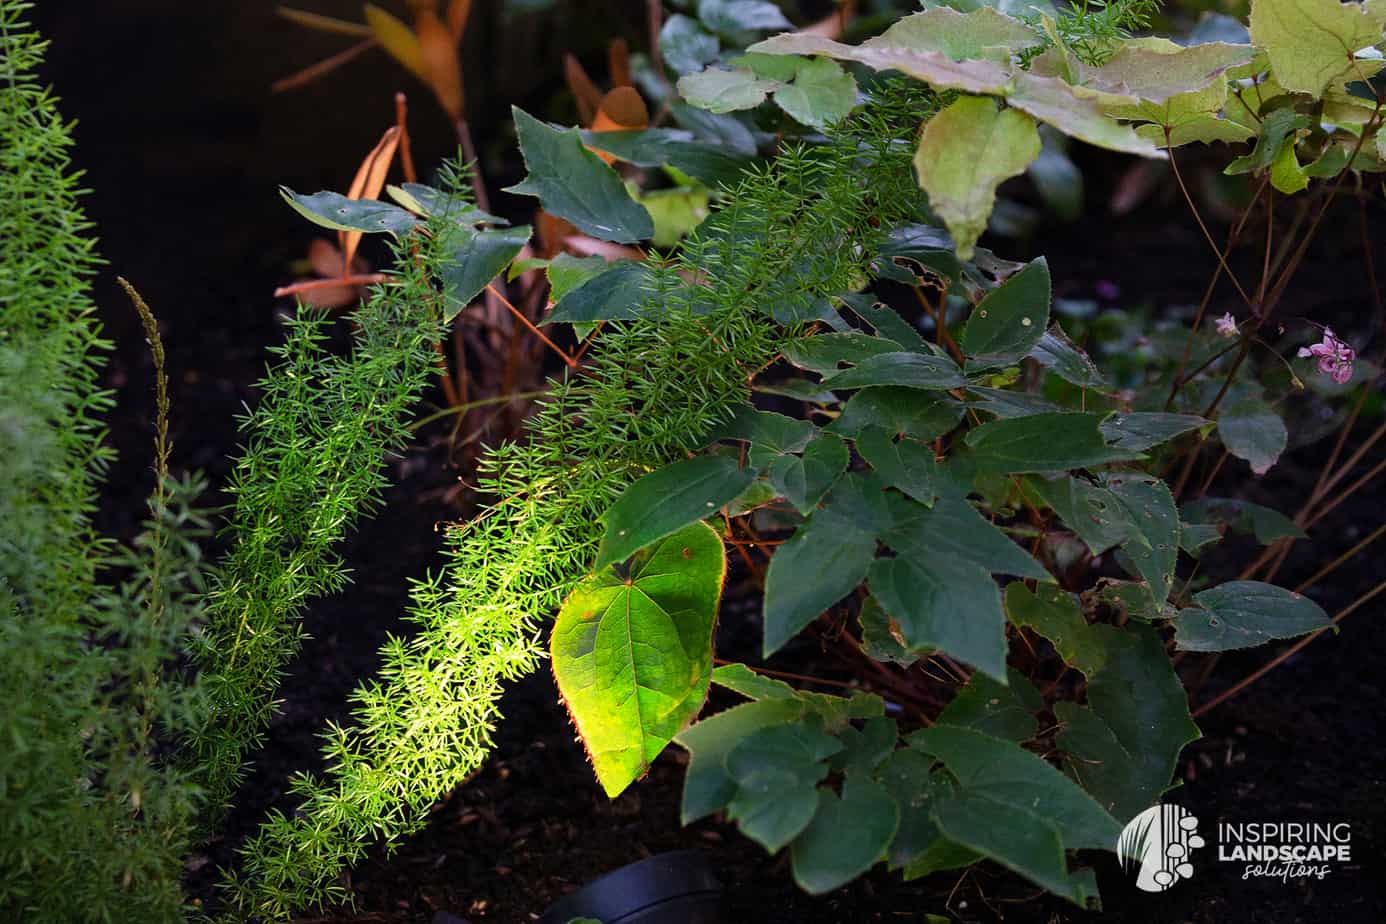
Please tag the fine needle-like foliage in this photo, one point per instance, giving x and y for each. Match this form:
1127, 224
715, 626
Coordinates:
313, 464
93, 825
790, 234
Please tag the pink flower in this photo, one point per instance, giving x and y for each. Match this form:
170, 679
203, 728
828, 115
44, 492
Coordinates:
1335, 357
1227, 325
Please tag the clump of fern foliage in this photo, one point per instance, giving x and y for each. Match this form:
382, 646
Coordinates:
790, 233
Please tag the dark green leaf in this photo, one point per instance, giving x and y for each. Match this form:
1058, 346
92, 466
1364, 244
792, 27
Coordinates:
847, 836
770, 434
1010, 322
906, 465
1240, 614
943, 604
1043, 443
1057, 352
803, 480
954, 530
732, 18
1140, 430
776, 770
898, 411
656, 147
864, 749
909, 370
336, 211
1056, 615
1004, 711
1090, 511
665, 501
1252, 430
824, 352
1013, 776
425, 200
880, 634
707, 787
573, 183
615, 294
909, 777
1007, 403
1244, 517
927, 247
1141, 702
1153, 545
685, 45
480, 257
819, 565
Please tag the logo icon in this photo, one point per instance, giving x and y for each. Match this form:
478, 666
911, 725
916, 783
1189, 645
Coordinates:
1155, 846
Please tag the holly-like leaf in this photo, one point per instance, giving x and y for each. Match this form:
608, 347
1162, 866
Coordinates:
667, 500
1043, 443
1240, 614
478, 257
1252, 430
1311, 43
632, 652
1009, 323
574, 184
336, 211
965, 152
846, 837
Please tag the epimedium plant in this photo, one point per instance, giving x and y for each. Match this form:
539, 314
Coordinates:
939, 498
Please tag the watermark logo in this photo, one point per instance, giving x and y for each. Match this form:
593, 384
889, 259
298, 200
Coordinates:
1156, 846
1285, 850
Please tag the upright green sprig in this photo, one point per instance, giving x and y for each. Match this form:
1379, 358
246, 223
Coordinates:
93, 824
314, 463
791, 233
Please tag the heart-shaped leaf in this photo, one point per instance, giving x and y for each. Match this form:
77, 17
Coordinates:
632, 651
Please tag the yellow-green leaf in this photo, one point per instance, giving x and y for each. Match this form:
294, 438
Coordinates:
1311, 42
398, 39
965, 153
632, 651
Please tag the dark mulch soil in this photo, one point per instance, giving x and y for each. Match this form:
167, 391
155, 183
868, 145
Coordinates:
183, 147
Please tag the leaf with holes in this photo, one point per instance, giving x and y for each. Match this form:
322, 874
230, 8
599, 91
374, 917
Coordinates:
1241, 614
632, 651
1056, 615
905, 369
1009, 323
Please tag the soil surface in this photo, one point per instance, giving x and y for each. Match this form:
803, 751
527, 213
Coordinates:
183, 146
